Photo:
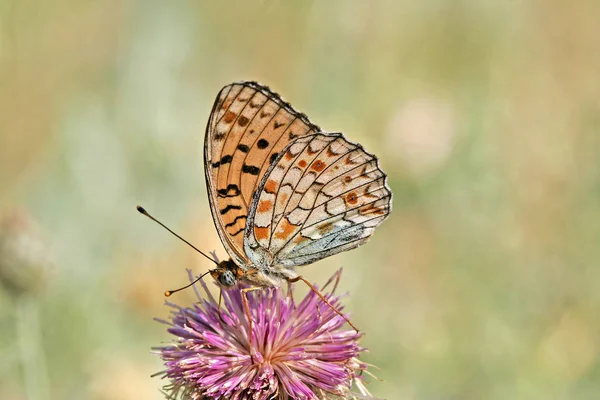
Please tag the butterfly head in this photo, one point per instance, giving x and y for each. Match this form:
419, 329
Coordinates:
226, 274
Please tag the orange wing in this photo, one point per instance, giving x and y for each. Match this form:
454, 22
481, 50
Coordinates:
248, 127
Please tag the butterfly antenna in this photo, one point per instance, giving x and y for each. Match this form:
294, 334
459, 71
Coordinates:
170, 292
142, 210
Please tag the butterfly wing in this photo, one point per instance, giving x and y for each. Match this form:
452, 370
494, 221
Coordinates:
322, 195
248, 127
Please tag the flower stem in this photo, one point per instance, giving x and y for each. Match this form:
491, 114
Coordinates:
31, 351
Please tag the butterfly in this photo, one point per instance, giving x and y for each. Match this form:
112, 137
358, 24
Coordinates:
283, 193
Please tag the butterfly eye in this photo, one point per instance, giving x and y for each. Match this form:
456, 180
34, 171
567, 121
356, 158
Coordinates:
227, 278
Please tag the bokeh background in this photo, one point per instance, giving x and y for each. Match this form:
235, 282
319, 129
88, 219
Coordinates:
483, 284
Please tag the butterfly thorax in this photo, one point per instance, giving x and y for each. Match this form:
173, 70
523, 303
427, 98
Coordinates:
228, 273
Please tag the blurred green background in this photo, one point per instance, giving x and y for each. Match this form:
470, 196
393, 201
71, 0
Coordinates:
483, 283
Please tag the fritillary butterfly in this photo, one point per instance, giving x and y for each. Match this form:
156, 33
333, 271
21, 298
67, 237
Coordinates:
283, 193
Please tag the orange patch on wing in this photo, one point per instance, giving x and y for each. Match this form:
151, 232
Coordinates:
229, 117
265, 205
348, 179
271, 186
289, 155
283, 198
302, 163
286, 230
301, 239
370, 209
324, 228
351, 198
318, 166
243, 121
261, 233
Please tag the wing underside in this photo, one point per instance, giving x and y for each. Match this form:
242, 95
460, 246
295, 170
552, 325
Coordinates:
322, 195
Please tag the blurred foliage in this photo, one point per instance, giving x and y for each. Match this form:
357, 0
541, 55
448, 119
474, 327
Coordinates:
483, 284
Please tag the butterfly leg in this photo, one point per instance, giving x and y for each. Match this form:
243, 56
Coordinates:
219, 310
247, 310
314, 289
290, 291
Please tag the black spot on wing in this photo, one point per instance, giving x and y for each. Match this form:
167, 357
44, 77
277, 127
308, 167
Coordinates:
243, 148
238, 232
225, 160
262, 144
228, 208
232, 190
250, 169
235, 221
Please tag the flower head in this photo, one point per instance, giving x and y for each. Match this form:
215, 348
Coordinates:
300, 350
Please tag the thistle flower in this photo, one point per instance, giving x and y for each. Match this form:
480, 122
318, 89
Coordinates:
299, 350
